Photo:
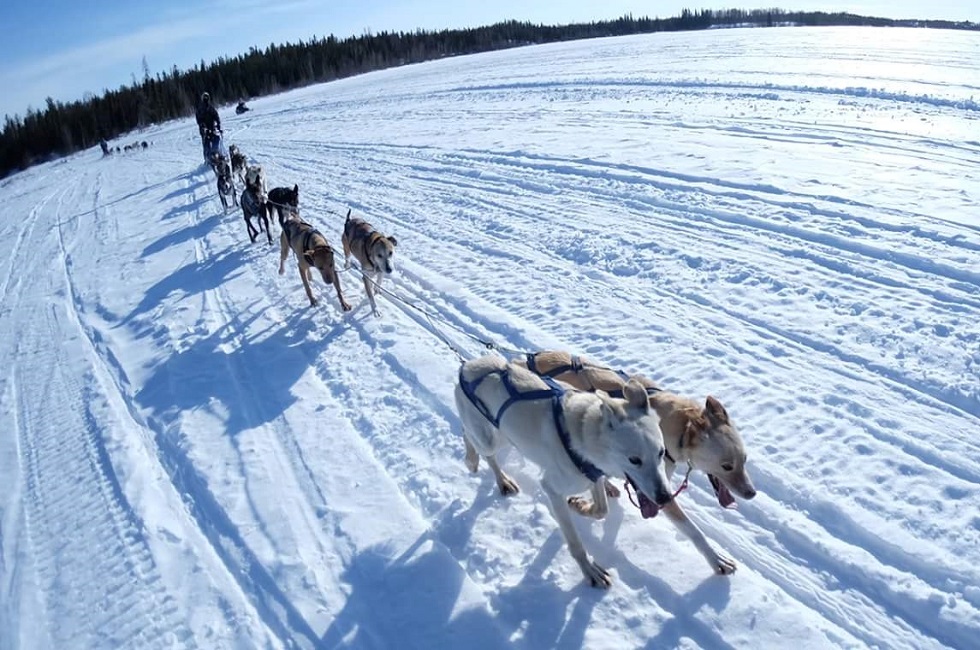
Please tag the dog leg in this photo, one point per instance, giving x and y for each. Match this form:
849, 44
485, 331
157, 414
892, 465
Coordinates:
719, 563
370, 293
611, 490
340, 293
346, 245
252, 232
283, 252
265, 218
594, 573
304, 276
598, 507
508, 487
472, 456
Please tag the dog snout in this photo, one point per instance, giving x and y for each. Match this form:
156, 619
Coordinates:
747, 492
388, 268
663, 497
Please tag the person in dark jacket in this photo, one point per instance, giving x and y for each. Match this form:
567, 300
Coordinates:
207, 121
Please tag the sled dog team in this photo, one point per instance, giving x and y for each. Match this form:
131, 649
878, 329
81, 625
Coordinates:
373, 250
580, 422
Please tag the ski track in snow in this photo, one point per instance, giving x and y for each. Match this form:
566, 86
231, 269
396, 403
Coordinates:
198, 459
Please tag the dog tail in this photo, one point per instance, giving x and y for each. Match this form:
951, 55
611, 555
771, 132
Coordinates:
347, 220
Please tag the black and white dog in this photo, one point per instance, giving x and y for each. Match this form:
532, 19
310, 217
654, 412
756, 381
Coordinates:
226, 187
285, 200
254, 202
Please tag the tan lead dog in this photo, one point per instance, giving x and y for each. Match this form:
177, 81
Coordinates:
704, 438
312, 251
373, 251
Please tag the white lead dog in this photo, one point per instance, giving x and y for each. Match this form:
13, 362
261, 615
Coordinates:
576, 438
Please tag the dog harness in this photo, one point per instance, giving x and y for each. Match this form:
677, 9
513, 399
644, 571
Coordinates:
308, 239
554, 392
369, 237
577, 366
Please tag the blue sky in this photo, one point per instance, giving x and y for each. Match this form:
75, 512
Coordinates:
67, 48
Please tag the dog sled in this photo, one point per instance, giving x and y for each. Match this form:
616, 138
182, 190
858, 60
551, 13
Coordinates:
213, 145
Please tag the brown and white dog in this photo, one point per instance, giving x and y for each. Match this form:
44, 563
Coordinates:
312, 251
705, 438
373, 251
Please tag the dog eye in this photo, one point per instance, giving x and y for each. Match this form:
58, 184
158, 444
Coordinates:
663, 452
636, 460
727, 467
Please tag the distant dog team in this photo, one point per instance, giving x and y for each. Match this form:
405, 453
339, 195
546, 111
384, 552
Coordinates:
373, 250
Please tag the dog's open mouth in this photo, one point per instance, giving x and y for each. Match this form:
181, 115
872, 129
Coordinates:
647, 507
725, 497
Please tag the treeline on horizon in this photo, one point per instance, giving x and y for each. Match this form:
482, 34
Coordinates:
64, 128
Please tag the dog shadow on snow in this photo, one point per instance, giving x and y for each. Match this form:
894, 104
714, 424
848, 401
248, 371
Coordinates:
193, 278
196, 232
713, 592
551, 617
244, 377
410, 601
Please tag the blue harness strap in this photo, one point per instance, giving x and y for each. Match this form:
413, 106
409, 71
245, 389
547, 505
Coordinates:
554, 392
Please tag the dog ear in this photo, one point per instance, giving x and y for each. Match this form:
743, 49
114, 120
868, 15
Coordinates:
296, 190
636, 395
348, 213
394, 242
612, 413
715, 410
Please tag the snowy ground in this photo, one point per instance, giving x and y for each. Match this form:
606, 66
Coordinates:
787, 219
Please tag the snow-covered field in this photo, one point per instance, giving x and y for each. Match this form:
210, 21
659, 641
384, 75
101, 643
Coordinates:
787, 219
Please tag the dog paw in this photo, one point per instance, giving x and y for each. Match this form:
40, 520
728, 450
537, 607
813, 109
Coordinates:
597, 576
582, 506
723, 565
611, 490
377, 314
313, 302
508, 487
345, 306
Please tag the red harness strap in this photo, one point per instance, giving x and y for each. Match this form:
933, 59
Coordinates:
681, 488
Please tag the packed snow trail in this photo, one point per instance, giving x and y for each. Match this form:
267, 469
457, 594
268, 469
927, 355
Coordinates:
192, 457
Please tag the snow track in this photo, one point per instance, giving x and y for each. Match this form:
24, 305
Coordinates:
195, 458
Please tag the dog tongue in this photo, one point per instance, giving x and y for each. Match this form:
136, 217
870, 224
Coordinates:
725, 497
647, 507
